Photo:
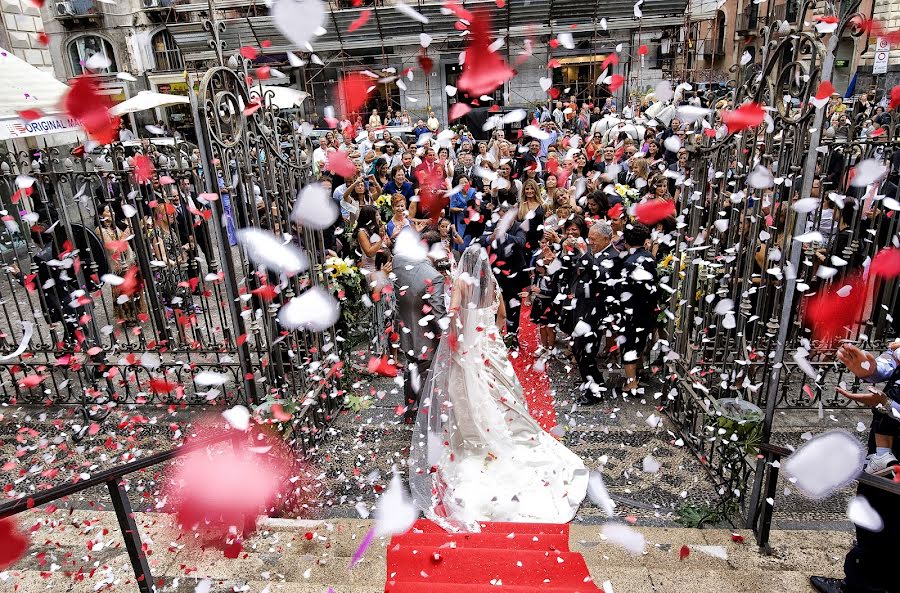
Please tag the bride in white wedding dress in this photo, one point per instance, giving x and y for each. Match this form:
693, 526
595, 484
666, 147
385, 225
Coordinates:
477, 454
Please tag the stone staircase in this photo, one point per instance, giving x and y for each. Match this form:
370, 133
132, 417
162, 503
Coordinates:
81, 552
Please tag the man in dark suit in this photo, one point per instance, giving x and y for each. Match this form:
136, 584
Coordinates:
466, 168
420, 309
532, 159
505, 238
591, 291
638, 313
192, 232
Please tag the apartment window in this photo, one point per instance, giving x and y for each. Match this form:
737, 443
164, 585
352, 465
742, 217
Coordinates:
86, 46
165, 52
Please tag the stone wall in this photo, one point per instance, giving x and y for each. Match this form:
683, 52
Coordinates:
21, 24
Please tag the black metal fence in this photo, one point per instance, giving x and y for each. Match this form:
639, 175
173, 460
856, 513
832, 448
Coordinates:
123, 286
740, 279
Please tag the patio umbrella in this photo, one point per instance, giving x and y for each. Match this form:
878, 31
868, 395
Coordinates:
147, 100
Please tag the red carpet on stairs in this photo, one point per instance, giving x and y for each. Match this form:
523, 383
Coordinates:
514, 557
510, 557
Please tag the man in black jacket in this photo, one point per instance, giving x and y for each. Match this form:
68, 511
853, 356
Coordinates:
505, 238
638, 311
591, 288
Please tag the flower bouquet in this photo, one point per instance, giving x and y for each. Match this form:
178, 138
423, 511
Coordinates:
347, 284
385, 208
628, 194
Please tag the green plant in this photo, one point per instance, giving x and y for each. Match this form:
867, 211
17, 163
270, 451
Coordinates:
749, 433
347, 284
696, 516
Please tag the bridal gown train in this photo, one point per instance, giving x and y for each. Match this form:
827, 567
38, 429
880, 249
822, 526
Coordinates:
477, 454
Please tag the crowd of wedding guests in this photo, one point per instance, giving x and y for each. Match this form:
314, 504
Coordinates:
551, 206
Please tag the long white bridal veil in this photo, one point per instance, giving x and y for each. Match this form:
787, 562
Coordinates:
447, 426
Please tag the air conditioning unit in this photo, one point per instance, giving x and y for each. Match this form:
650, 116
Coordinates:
64, 9
151, 3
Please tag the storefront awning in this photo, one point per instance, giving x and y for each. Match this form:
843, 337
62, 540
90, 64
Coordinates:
25, 87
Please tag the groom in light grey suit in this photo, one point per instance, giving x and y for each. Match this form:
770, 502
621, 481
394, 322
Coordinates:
420, 307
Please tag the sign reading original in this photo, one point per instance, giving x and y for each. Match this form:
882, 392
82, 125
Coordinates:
51, 124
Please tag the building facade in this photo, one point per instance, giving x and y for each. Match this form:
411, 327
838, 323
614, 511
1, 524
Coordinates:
19, 33
132, 36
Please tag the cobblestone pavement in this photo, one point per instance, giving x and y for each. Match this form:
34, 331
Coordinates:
361, 447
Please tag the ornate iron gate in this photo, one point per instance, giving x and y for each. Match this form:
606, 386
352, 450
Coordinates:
128, 292
740, 243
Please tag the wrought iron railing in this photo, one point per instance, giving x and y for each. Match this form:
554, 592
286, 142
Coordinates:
741, 246
763, 512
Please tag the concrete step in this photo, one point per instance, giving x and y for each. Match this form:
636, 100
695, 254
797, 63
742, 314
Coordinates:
304, 556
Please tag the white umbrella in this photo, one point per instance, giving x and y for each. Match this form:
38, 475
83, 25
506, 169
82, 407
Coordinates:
147, 100
282, 97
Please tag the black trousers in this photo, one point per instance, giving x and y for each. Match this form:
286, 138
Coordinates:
868, 566
513, 302
413, 379
586, 349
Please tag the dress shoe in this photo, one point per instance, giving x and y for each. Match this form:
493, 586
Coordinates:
826, 584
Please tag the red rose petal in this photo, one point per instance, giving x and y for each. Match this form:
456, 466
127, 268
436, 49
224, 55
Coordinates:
886, 263
895, 97
615, 211
86, 103
611, 60
279, 413
425, 63
353, 91
361, 20
263, 72
748, 115
825, 90
233, 550
829, 313
31, 114
31, 381
458, 110
143, 168
643, 50
13, 544
43, 38
381, 366
484, 70
338, 162
653, 211
158, 385
684, 552
616, 81
249, 52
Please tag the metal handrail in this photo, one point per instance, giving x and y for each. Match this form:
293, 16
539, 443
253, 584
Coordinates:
762, 520
112, 478
19, 505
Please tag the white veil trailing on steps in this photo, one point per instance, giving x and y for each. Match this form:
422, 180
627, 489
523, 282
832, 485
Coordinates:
477, 454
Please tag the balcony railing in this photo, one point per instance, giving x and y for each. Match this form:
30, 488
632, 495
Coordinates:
168, 59
76, 9
748, 21
157, 4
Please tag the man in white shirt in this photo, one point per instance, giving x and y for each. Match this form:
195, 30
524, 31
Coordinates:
366, 145
433, 123
558, 116
320, 155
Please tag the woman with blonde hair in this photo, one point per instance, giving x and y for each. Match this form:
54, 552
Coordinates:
531, 213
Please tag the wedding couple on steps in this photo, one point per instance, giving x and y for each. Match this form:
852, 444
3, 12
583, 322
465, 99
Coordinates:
476, 454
